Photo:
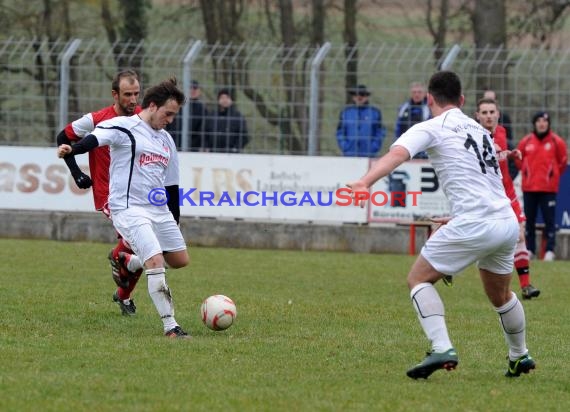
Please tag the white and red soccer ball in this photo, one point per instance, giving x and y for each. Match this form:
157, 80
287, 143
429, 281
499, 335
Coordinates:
218, 312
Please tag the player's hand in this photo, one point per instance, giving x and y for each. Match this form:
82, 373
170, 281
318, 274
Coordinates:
63, 150
359, 193
515, 154
441, 220
82, 181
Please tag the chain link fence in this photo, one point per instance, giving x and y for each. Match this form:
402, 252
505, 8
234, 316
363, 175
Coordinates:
290, 97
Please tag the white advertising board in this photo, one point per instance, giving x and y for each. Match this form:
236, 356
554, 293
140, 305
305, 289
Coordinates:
35, 179
281, 187
416, 184
298, 188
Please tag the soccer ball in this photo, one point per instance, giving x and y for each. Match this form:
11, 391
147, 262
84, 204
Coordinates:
218, 312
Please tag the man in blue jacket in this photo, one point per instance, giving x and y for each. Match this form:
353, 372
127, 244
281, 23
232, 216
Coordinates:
360, 132
412, 112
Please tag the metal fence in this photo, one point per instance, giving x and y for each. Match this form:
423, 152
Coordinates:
290, 97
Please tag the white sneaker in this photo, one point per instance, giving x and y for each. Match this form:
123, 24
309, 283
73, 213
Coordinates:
549, 256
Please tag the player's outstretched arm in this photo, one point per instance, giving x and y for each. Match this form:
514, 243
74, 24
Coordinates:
383, 166
85, 145
81, 179
66, 152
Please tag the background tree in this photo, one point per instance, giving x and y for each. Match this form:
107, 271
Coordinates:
539, 23
351, 50
49, 25
490, 36
126, 33
437, 23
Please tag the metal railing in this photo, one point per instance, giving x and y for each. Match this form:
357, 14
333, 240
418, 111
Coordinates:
290, 97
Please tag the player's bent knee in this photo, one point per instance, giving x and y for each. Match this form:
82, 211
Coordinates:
156, 261
177, 260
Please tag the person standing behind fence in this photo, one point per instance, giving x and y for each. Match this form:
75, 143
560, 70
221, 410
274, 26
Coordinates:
226, 128
360, 132
544, 158
414, 111
198, 114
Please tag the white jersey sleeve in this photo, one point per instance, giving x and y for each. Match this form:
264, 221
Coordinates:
415, 140
83, 126
108, 134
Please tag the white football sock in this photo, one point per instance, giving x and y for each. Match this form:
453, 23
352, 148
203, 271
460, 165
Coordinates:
134, 264
511, 316
161, 297
431, 315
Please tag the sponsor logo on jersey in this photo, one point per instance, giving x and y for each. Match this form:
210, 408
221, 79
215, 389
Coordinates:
148, 158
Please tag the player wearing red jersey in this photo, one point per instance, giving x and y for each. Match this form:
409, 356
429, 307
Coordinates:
488, 115
126, 267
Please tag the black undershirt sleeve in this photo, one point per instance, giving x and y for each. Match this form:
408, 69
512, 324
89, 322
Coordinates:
69, 160
86, 144
173, 201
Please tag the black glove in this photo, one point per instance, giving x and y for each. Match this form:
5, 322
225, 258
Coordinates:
82, 180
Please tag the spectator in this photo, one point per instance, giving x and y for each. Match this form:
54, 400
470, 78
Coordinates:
360, 131
198, 114
544, 159
414, 111
226, 129
505, 121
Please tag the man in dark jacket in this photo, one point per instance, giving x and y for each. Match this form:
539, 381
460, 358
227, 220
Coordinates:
360, 131
412, 112
226, 129
198, 114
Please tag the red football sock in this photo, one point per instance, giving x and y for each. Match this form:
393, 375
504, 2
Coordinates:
522, 266
133, 280
125, 293
524, 280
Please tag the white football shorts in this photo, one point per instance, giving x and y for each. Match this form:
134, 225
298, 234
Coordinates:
456, 245
149, 232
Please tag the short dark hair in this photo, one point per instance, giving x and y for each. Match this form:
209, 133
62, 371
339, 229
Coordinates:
128, 74
486, 100
163, 92
445, 88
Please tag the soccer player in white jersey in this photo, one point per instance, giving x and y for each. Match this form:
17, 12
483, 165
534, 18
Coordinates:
483, 227
143, 160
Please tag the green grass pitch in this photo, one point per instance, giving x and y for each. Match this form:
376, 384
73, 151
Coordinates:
314, 332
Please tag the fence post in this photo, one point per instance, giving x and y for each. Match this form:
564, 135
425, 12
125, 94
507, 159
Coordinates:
314, 98
450, 57
186, 83
64, 82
